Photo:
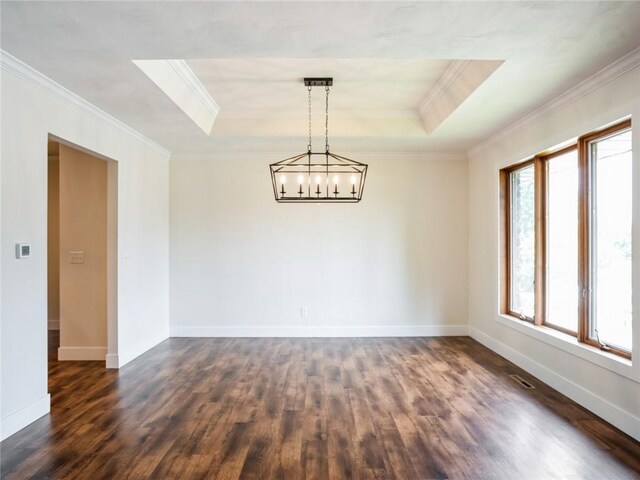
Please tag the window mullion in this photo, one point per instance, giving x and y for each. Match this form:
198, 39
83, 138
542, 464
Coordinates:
540, 199
583, 239
505, 219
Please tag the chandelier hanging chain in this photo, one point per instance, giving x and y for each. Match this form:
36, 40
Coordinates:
326, 121
309, 145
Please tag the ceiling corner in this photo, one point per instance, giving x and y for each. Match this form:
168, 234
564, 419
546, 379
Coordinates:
176, 80
457, 83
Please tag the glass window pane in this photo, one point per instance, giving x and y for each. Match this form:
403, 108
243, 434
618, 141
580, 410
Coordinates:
611, 168
522, 242
562, 241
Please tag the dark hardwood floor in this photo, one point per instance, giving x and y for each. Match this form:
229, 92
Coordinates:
403, 408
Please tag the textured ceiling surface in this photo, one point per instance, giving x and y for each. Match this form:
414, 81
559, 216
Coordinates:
367, 85
385, 57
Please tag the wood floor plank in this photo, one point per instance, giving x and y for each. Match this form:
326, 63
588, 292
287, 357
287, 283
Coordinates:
339, 408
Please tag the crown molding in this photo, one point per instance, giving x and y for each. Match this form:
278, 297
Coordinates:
450, 75
268, 157
582, 89
180, 84
459, 81
21, 70
183, 70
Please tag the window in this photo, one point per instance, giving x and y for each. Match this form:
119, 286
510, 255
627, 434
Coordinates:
522, 252
566, 221
607, 231
562, 289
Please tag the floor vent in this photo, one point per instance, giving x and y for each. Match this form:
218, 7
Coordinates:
522, 381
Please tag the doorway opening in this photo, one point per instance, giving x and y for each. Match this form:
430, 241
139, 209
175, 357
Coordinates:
81, 246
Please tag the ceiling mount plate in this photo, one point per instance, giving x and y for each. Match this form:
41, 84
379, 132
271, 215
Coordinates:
318, 82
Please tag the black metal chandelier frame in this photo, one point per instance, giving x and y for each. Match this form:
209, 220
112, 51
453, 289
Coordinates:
320, 177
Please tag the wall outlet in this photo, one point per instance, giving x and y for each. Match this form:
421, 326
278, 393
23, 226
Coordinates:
304, 312
76, 257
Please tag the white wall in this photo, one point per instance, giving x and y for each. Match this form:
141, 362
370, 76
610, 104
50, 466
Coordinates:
32, 108
394, 264
615, 396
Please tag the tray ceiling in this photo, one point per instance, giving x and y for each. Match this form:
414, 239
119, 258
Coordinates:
388, 59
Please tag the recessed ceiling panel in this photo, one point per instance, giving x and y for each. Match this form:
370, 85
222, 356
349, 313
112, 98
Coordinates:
276, 85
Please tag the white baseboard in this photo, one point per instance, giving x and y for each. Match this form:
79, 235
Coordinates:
82, 353
112, 360
122, 358
53, 324
625, 421
321, 331
16, 421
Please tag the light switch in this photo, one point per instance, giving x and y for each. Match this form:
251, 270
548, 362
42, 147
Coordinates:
23, 250
76, 257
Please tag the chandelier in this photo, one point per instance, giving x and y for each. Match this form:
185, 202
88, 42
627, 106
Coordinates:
318, 177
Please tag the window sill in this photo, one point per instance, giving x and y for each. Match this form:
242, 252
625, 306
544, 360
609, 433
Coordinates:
570, 344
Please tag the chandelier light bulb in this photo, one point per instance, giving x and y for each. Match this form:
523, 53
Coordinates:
336, 179
300, 179
283, 179
353, 179
318, 179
